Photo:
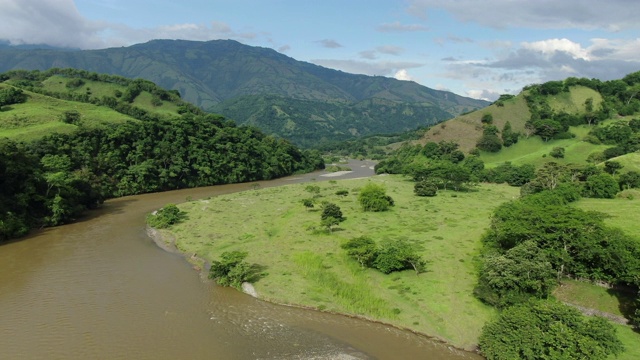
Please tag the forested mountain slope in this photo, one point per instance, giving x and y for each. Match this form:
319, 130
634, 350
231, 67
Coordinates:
228, 77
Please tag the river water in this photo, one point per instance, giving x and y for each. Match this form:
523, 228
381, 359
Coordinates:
101, 289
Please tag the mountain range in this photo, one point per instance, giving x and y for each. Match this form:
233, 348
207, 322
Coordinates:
303, 102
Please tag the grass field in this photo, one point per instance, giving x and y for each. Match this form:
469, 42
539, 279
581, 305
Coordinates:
309, 268
312, 270
631, 162
536, 151
41, 115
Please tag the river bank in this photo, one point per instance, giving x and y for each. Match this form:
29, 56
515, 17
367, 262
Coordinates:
166, 241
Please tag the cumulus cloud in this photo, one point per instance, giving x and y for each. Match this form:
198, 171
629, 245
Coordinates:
53, 22
483, 94
329, 43
556, 59
380, 68
612, 15
402, 74
399, 27
550, 46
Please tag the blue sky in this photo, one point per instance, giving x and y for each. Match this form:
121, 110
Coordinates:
473, 48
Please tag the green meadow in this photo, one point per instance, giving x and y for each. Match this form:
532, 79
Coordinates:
41, 115
306, 265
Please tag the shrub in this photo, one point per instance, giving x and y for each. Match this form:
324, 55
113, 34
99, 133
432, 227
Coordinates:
398, 255
169, 215
557, 152
548, 330
373, 197
425, 188
231, 269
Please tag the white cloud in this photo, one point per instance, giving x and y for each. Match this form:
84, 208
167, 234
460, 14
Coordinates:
612, 15
58, 23
483, 94
402, 74
550, 46
53, 22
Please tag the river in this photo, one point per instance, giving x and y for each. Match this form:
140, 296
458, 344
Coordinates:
101, 289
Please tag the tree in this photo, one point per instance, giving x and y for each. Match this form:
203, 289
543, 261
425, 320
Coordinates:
548, 330
547, 129
425, 188
509, 137
611, 167
398, 255
10, 96
487, 119
373, 197
331, 216
489, 143
522, 272
602, 186
362, 249
168, 215
231, 269
331, 210
629, 180
308, 203
557, 152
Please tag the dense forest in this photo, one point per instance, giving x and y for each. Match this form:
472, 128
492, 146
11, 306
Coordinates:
53, 179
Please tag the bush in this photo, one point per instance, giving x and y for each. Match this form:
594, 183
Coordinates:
165, 217
362, 249
373, 197
398, 255
331, 210
548, 330
557, 152
425, 188
489, 143
602, 186
231, 270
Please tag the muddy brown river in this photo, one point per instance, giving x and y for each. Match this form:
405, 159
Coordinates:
101, 289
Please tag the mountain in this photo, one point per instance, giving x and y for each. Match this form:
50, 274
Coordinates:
247, 83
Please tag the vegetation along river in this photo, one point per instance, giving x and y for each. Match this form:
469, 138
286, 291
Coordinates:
101, 289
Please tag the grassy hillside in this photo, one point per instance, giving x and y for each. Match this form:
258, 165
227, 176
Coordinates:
41, 115
630, 162
467, 129
534, 150
50, 98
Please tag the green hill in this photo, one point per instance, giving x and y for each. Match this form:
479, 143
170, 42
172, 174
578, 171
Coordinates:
70, 139
61, 101
246, 83
467, 129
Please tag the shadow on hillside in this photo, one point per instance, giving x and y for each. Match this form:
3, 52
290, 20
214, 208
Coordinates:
257, 272
626, 296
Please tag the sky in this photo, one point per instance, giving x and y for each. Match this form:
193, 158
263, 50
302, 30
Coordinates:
474, 48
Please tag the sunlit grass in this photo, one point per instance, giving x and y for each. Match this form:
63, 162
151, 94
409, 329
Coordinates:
311, 269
